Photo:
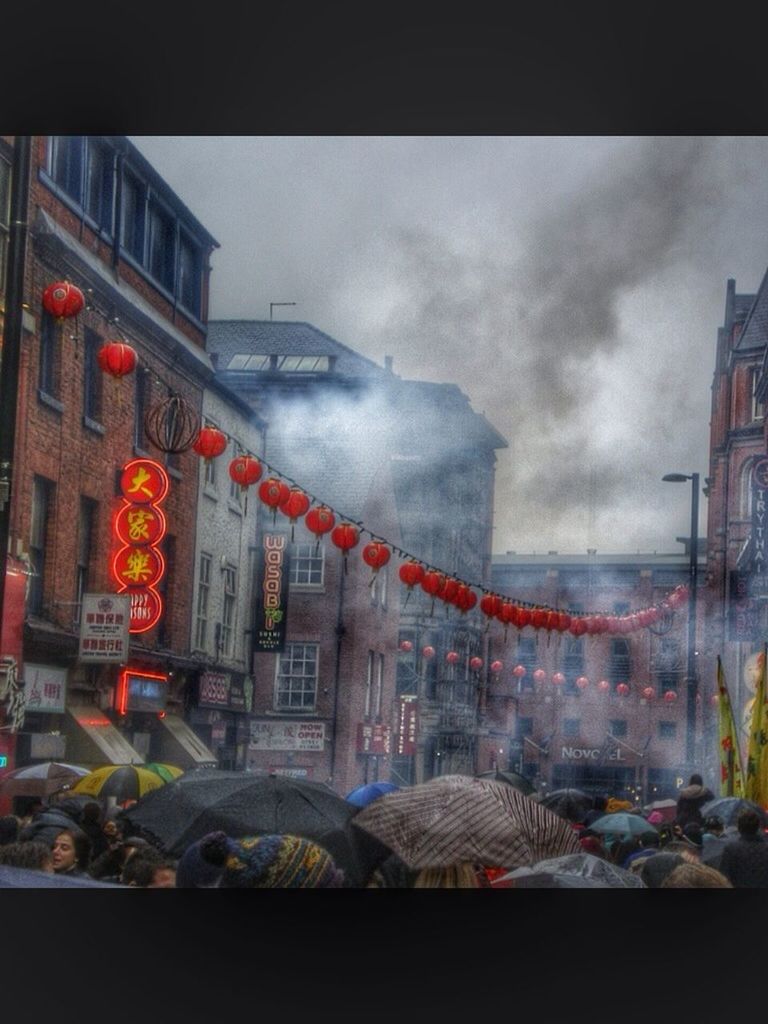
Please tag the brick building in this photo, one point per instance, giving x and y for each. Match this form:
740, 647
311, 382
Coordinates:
101, 218
589, 735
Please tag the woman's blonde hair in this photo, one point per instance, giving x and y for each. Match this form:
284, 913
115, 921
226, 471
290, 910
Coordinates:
457, 876
695, 876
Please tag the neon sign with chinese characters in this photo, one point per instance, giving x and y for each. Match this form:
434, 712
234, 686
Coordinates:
139, 526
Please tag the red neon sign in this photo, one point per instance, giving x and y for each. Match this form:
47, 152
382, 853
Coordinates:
144, 481
139, 525
130, 677
138, 567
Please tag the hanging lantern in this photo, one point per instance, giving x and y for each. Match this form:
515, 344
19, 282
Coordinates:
116, 358
63, 300
346, 536
648, 692
172, 425
428, 652
273, 492
577, 627
539, 675
432, 582
210, 443
497, 666
405, 646
450, 590
622, 689
469, 600
475, 663
563, 622
245, 470
295, 505
376, 554
670, 696
582, 682
490, 605
558, 678
538, 618
523, 617
519, 671
452, 657
320, 520
603, 686
411, 573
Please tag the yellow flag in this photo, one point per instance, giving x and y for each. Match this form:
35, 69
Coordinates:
731, 775
755, 787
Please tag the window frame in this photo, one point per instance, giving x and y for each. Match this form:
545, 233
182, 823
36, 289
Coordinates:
86, 529
43, 497
285, 682
228, 609
202, 604
93, 391
296, 564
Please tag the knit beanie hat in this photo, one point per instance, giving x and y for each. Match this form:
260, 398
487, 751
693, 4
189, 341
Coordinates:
193, 871
655, 818
271, 862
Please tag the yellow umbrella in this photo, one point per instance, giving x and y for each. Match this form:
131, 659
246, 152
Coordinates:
122, 781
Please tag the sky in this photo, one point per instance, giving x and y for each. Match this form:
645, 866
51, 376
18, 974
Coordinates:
571, 286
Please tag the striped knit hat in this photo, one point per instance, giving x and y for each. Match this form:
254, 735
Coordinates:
271, 862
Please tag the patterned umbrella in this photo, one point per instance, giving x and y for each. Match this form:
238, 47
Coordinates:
512, 779
40, 779
122, 781
455, 818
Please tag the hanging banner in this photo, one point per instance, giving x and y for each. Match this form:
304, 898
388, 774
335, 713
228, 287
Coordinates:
374, 739
45, 688
407, 725
271, 592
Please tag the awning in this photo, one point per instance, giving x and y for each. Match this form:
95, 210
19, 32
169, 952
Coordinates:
178, 744
93, 739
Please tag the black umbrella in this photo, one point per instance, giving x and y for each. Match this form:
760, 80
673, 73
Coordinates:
728, 809
512, 779
571, 804
244, 804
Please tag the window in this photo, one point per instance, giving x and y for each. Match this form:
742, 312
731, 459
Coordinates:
133, 217
621, 607
228, 610
203, 591
209, 473
84, 548
369, 685
573, 663
99, 184
5, 217
619, 669
92, 379
190, 273
296, 683
140, 394
667, 730
617, 726
49, 350
757, 407
42, 500
571, 728
526, 656
307, 564
66, 164
379, 685
161, 245
83, 168
524, 727
379, 588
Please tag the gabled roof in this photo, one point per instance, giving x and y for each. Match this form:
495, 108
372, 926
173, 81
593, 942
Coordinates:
228, 338
755, 331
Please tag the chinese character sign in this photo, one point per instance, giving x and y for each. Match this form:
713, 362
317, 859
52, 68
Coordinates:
45, 688
139, 526
104, 622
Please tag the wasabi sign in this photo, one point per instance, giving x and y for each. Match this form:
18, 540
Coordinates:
272, 592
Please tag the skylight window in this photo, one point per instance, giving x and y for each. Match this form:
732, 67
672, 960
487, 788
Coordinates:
285, 364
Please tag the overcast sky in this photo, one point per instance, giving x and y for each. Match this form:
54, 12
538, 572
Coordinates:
571, 286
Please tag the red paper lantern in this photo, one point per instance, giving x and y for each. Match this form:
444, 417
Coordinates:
490, 604
603, 686
519, 671
346, 536
405, 646
670, 696
450, 590
523, 617
563, 622
411, 573
452, 657
497, 666
558, 678
295, 505
273, 492
648, 692
376, 554
245, 470
116, 358
475, 663
622, 689
210, 443
582, 682
539, 675
320, 520
63, 300
538, 618
577, 627
428, 651
432, 582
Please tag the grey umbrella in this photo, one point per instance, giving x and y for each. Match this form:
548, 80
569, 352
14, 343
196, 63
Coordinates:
582, 865
728, 809
512, 779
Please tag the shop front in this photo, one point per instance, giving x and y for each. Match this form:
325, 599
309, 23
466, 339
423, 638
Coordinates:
613, 771
221, 704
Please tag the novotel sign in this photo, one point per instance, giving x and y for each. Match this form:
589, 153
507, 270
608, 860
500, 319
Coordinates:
590, 754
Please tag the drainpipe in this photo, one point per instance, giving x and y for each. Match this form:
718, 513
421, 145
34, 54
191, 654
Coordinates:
340, 631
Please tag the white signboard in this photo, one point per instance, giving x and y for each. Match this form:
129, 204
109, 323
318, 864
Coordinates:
287, 736
104, 623
45, 688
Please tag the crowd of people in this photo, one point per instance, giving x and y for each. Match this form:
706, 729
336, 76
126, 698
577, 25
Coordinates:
83, 841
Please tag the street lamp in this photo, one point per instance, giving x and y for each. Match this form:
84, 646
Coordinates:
693, 551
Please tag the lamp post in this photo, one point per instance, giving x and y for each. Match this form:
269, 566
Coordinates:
693, 551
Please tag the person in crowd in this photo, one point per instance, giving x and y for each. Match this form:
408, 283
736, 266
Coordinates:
149, 869
623, 848
92, 823
110, 865
690, 800
47, 824
31, 854
744, 860
271, 862
713, 840
9, 829
685, 848
693, 833
656, 868
649, 843
194, 872
597, 810
695, 876
457, 876
592, 842
71, 852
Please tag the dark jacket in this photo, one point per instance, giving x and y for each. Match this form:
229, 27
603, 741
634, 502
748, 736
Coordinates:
46, 825
689, 804
744, 862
